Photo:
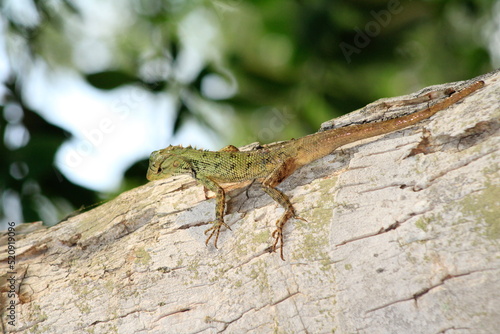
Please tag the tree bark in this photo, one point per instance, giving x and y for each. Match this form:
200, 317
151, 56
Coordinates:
402, 236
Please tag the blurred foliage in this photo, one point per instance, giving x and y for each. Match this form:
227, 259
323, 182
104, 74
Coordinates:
295, 64
27, 166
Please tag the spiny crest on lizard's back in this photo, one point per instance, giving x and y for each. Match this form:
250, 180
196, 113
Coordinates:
178, 149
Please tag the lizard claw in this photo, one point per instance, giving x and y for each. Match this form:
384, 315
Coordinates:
278, 234
215, 230
278, 238
300, 218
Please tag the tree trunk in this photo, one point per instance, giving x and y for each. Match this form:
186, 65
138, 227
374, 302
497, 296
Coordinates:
402, 236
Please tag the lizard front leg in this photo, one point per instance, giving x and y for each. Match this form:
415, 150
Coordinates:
268, 185
220, 207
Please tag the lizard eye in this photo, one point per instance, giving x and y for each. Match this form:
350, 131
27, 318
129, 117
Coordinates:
175, 163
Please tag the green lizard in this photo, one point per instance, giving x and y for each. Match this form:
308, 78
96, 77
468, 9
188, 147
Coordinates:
272, 164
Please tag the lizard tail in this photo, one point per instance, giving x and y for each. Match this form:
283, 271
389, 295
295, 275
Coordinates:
320, 144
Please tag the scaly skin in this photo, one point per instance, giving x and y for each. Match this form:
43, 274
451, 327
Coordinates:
274, 163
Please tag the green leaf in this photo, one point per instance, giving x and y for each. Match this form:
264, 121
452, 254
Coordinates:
110, 79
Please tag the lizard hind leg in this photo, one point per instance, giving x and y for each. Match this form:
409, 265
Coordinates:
268, 185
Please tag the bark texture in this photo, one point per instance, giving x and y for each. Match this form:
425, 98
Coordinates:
402, 236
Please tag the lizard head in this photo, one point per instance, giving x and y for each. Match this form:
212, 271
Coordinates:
167, 162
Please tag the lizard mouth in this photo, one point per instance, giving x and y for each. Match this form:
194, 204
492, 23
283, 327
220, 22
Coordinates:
152, 171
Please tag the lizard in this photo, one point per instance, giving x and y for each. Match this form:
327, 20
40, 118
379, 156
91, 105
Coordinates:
272, 164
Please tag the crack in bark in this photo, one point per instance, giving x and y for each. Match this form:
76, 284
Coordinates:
182, 310
227, 323
253, 256
452, 328
424, 291
459, 165
285, 298
111, 319
167, 270
382, 230
470, 137
190, 225
393, 185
